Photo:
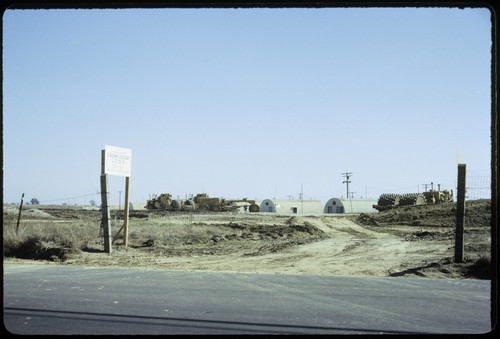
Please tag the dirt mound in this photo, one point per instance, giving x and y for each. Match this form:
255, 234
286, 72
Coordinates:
435, 224
29, 213
477, 214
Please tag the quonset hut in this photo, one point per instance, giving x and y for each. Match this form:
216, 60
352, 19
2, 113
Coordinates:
291, 206
336, 205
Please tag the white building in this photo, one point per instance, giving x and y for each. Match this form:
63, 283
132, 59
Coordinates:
336, 205
291, 206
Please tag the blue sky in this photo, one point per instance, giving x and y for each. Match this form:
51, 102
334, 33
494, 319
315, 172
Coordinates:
255, 103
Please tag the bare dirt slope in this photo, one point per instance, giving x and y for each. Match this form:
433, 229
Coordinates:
414, 241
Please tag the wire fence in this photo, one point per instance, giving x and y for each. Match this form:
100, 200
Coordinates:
478, 185
91, 199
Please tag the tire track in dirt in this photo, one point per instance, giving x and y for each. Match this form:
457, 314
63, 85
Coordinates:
351, 250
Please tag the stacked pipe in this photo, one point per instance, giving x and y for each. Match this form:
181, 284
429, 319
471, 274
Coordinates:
388, 199
408, 199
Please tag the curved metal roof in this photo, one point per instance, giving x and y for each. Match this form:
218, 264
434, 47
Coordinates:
350, 206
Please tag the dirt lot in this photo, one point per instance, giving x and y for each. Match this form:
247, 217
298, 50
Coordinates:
416, 241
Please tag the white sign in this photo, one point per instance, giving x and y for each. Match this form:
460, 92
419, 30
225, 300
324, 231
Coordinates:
117, 161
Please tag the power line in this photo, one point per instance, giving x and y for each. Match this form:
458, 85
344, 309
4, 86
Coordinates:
69, 198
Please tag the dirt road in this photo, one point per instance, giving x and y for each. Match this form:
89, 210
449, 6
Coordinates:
384, 244
346, 248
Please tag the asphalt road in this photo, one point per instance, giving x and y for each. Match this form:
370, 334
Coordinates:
50, 299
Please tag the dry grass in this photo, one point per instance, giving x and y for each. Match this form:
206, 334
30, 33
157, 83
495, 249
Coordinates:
35, 238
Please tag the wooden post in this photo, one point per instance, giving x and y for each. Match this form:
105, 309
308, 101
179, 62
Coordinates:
119, 164
459, 229
125, 222
105, 220
19, 215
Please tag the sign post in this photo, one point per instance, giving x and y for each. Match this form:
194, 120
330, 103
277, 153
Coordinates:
117, 161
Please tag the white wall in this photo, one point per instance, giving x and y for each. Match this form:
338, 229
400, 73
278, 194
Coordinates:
288, 206
335, 205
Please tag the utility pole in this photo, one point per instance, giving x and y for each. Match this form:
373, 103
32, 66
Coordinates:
346, 175
427, 185
301, 194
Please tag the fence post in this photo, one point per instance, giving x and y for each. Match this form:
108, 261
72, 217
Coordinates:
19, 215
459, 228
126, 211
105, 221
